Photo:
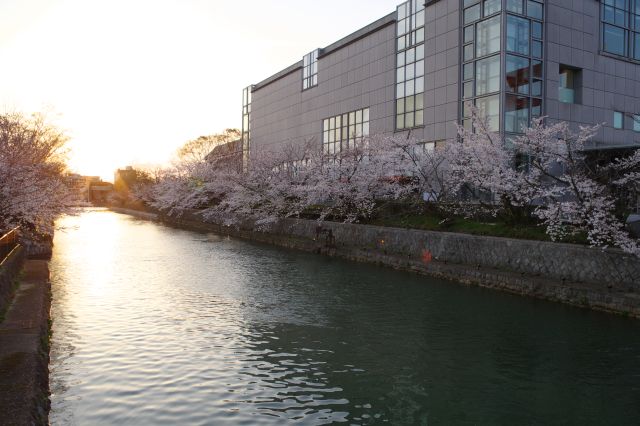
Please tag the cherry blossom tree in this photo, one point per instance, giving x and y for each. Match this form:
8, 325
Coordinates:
33, 190
540, 175
552, 180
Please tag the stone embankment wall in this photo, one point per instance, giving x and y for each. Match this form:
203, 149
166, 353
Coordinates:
9, 270
600, 279
24, 349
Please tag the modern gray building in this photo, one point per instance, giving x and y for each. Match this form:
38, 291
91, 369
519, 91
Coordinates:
414, 69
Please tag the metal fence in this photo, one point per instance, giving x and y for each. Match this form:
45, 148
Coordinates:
8, 242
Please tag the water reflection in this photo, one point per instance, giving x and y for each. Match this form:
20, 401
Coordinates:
155, 325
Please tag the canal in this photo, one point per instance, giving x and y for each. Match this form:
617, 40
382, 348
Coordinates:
155, 325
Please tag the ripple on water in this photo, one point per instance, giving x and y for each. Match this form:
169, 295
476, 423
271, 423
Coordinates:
154, 325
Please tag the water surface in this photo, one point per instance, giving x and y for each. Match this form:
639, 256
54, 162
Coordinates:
155, 325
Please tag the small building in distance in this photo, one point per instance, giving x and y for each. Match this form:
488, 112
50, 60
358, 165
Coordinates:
99, 192
125, 179
89, 189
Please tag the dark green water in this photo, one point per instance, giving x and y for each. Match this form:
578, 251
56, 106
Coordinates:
154, 325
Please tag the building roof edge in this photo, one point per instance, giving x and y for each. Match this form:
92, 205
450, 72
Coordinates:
345, 41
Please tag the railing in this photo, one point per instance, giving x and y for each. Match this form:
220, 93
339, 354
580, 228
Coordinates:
8, 242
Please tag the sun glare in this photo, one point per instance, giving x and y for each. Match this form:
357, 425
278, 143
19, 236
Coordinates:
133, 80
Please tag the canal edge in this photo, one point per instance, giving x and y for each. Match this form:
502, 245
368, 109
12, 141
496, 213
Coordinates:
603, 298
24, 346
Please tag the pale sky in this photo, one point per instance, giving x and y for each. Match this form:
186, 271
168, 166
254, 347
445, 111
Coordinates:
131, 80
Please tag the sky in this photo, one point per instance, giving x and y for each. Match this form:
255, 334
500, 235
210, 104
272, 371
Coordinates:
132, 80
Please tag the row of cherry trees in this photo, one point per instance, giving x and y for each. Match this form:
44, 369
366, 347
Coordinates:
33, 191
542, 174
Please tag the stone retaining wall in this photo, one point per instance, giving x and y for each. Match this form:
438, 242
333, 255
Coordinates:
600, 279
9, 271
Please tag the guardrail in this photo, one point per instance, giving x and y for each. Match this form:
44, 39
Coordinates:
8, 242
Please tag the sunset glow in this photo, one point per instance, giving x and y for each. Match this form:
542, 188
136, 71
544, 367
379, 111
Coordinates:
131, 81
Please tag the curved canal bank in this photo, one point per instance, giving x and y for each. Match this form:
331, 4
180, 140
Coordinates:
597, 279
159, 325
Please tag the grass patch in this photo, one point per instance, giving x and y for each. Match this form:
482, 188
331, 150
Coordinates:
431, 221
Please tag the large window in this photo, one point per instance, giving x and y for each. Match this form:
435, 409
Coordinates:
481, 65
523, 68
621, 27
246, 124
410, 65
310, 70
344, 131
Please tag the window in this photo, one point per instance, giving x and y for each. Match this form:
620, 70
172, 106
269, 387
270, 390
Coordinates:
310, 70
523, 79
517, 35
491, 7
410, 65
488, 36
569, 84
481, 69
489, 107
621, 27
246, 124
618, 120
488, 75
636, 123
517, 74
516, 113
534, 9
344, 131
515, 6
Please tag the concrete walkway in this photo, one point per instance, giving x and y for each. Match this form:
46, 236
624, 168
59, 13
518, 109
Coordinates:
24, 350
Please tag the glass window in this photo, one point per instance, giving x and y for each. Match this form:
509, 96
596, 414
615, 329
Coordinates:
536, 88
468, 52
537, 69
636, 123
517, 35
566, 85
467, 90
618, 120
488, 36
536, 29
488, 75
492, 6
515, 6
410, 67
614, 40
516, 115
246, 124
472, 14
310, 70
534, 9
344, 131
536, 49
489, 107
620, 27
536, 107
517, 74
468, 33
468, 71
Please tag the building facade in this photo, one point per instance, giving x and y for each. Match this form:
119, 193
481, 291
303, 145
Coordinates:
416, 69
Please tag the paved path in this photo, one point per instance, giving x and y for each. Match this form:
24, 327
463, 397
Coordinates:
24, 350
